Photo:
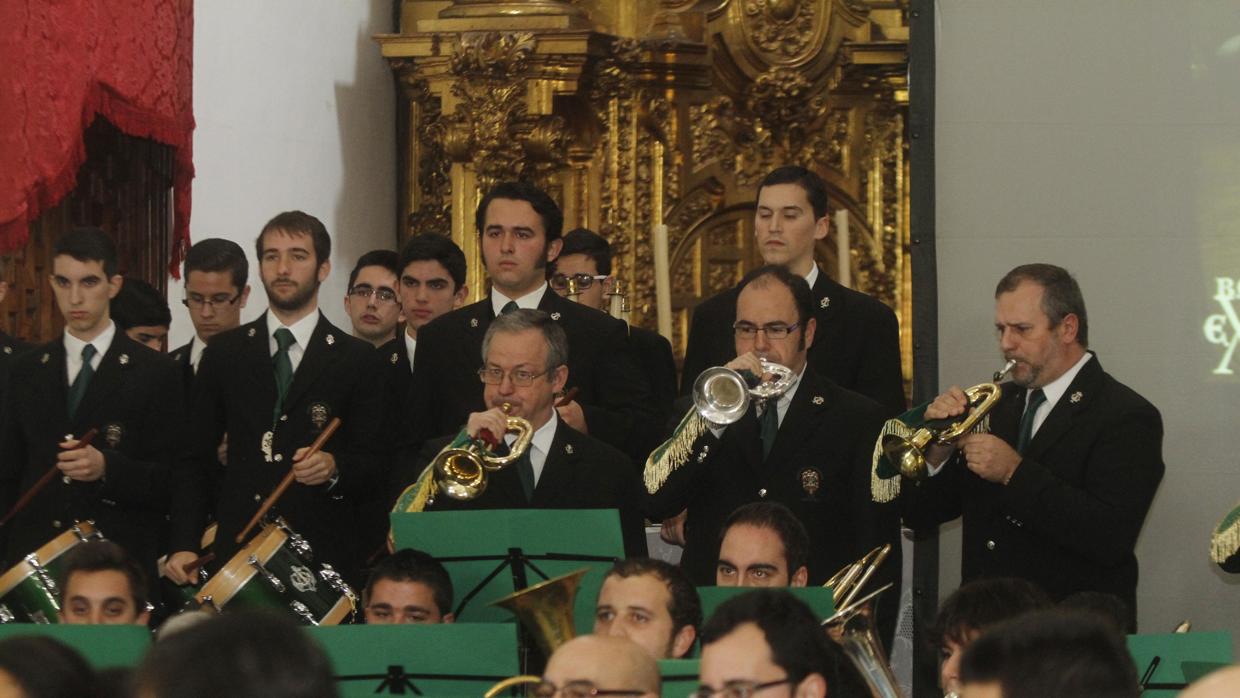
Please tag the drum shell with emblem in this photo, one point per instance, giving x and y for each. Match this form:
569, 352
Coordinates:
275, 571
26, 596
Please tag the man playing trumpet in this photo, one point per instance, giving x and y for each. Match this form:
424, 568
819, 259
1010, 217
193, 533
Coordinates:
808, 449
1058, 492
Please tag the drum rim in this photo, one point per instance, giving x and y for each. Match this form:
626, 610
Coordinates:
339, 611
238, 571
46, 553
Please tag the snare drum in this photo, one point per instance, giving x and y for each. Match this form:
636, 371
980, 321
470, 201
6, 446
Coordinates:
28, 592
275, 571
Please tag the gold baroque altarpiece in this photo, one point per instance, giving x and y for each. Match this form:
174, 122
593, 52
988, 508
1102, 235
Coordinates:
635, 113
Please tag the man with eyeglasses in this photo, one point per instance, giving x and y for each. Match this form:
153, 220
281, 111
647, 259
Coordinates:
519, 229
596, 665
525, 357
857, 343
372, 303
273, 385
586, 258
215, 275
809, 449
768, 643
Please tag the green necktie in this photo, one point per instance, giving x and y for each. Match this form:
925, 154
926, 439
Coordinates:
78, 389
509, 307
284, 369
769, 425
525, 469
1036, 398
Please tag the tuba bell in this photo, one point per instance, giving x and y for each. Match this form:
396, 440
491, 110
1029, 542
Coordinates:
546, 611
907, 451
721, 395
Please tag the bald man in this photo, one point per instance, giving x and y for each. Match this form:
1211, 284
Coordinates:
1223, 683
616, 665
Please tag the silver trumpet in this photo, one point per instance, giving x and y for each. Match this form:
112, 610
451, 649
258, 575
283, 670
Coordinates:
722, 395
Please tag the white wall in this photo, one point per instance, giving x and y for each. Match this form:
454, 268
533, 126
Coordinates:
295, 110
1104, 136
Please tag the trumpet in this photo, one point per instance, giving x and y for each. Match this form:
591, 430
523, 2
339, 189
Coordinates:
907, 452
722, 396
460, 470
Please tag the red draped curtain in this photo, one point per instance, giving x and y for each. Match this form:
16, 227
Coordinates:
64, 62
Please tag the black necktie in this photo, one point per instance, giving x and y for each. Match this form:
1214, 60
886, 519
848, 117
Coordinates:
1036, 398
768, 424
525, 469
283, 369
509, 307
78, 389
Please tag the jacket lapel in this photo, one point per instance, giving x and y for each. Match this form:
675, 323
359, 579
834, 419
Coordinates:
1075, 400
56, 377
803, 415
559, 469
105, 382
318, 356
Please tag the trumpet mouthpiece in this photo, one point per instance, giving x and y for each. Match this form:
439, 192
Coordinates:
1007, 368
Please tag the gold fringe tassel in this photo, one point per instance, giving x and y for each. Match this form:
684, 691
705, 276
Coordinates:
674, 452
1226, 539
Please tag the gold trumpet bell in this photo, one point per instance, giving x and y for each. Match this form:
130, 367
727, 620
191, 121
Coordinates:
908, 453
460, 473
546, 609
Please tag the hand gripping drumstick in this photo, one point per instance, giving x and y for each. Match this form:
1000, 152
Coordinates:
43, 481
288, 479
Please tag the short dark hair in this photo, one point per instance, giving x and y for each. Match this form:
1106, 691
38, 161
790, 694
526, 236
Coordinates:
298, 223
542, 203
797, 641
780, 519
88, 244
216, 255
797, 285
243, 654
411, 565
46, 668
139, 304
531, 319
592, 245
388, 259
1061, 294
684, 605
434, 248
815, 188
101, 555
982, 603
1052, 653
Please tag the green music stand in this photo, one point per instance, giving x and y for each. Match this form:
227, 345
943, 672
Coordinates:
1167, 662
491, 553
455, 659
680, 676
817, 598
102, 646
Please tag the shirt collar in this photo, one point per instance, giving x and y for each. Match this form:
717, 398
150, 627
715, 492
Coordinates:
1056, 388
812, 277
74, 346
528, 301
302, 330
410, 345
196, 346
543, 436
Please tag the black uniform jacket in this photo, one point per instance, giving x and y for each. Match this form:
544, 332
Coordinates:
658, 364
134, 400
613, 393
856, 344
580, 472
235, 394
1069, 518
10, 347
819, 467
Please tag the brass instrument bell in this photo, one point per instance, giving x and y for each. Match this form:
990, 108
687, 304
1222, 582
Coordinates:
907, 453
461, 473
722, 395
546, 609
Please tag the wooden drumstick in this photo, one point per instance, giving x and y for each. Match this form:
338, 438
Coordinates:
43, 481
197, 562
288, 479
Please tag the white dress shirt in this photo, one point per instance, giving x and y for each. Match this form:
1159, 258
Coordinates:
1053, 391
528, 301
411, 344
74, 347
302, 330
540, 444
196, 346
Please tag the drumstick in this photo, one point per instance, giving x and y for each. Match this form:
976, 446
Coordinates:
197, 562
288, 479
43, 481
568, 397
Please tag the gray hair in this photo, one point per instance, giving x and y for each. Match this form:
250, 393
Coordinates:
528, 319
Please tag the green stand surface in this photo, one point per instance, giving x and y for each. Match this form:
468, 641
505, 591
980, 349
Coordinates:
680, 676
103, 646
817, 598
491, 553
1182, 659
456, 659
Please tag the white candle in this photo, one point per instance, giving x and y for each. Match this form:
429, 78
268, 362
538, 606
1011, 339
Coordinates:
841, 247
662, 280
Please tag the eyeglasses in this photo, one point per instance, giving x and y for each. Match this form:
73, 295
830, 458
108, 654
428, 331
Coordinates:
774, 330
197, 301
364, 292
559, 282
519, 377
737, 689
579, 689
